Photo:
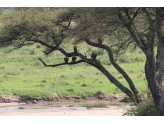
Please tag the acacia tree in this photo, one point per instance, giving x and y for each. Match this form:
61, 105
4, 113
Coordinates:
124, 27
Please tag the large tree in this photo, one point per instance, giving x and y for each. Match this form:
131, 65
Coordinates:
123, 27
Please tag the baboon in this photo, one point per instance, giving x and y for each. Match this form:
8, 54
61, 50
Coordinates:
73, 59
66, 59
75, 49
99, 40
93, 55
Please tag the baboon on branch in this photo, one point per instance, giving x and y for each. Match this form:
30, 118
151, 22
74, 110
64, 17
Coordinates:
100, 40
66, 59
75, 49
93, 55
73, 59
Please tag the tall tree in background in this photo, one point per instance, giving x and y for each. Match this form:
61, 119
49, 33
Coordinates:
124, 27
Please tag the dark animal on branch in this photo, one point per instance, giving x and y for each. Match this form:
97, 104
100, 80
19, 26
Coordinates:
93, 55
75, 49
66, 59
73, 59
100, 40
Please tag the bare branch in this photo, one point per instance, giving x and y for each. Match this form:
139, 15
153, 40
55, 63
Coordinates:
148, 15
131, 31
135, 14
42, 43
55, 65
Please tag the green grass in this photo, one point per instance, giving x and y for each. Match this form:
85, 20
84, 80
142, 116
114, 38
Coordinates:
93, 105
21, 108
22, 74
115, 104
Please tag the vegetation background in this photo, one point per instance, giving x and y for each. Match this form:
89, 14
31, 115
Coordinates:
23, 74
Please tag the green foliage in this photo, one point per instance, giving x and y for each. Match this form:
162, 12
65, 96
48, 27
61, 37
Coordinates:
44, 81
36, 80
145, 108
21, 108
70, 90
93, 105
98, 93
115, 104
83, 85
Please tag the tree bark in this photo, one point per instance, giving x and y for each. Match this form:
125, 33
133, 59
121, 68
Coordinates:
110, 54
156, 90
160, 77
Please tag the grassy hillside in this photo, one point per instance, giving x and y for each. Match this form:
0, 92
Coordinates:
22, 74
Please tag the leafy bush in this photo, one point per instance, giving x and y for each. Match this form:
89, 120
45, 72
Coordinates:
70, 90
131, 71
21, 107
124, 59
83, 85
44, 81
145, 108
98, 93
94, 105
32, 52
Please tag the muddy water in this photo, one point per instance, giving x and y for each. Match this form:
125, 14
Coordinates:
58, 105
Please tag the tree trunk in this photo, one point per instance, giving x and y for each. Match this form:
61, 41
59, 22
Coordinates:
160, 77
150, 69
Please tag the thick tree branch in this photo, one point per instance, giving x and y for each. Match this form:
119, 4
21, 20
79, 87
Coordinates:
55, 65
108, 49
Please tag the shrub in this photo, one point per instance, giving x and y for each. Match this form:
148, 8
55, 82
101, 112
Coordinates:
83, 85
44, 81
32, 52
145, 108
22, 68
94, 105
131, 71
98, 93
124, 59
70, 90
21, 107
63, 76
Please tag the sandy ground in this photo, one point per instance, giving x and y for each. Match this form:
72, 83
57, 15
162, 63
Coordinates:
114, 112
70, 111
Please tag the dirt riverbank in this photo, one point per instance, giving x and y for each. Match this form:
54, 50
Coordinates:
9, 106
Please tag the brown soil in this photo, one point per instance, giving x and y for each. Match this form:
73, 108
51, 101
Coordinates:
12, 98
